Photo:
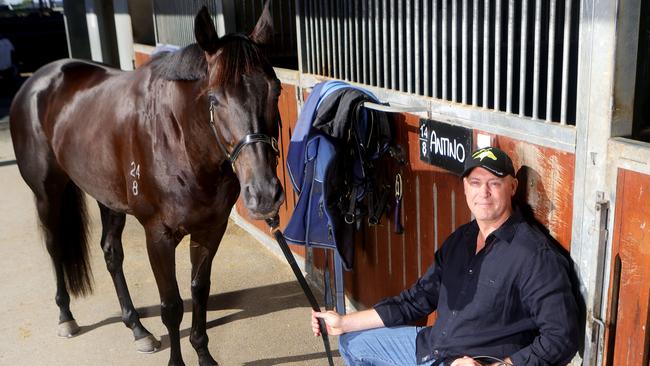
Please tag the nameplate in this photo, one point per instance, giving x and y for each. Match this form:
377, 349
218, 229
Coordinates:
444, 145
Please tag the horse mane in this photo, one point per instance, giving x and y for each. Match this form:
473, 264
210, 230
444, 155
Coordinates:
238, 55
188, 63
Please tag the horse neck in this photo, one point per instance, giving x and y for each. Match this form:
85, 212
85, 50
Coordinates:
200, 141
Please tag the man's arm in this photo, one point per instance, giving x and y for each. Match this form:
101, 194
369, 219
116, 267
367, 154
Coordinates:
419, 300
338, 324
411, 304
547, 296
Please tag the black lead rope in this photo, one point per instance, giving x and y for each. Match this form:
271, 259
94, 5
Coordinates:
274, 223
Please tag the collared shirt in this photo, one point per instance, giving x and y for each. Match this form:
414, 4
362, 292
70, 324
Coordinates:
511, 299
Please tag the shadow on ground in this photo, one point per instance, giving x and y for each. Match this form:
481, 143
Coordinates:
289, 359
251, 302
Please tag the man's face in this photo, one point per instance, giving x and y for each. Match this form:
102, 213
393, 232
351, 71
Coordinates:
488, 196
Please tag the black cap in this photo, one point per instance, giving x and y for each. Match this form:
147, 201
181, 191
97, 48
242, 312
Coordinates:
492, 159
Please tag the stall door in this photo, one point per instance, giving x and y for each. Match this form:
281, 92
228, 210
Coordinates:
628, 334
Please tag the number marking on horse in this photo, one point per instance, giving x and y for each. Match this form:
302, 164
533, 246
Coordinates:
135, 173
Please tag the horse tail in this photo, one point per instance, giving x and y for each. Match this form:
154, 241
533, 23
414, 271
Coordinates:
71, 244
59, 202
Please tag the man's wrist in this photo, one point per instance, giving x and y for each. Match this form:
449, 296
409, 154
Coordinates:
506, 362
344, 323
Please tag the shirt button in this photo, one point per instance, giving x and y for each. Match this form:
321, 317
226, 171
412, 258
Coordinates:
471, 271
444, 333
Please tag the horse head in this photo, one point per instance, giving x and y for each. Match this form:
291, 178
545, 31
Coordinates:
243, 91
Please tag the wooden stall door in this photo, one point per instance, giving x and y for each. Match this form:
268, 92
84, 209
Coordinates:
628, 335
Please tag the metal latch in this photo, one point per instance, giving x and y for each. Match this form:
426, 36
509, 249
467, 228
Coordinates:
598, 324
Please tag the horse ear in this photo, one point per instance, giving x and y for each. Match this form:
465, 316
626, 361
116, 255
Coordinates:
205, 32
263, 31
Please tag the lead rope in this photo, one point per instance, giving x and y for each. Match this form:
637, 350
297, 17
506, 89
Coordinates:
279, 237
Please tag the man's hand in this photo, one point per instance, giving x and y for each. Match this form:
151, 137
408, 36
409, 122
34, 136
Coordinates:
507, 361
468, 361
465, 361
333, 322
338, 324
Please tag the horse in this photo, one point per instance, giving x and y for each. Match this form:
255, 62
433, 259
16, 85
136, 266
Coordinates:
143, 143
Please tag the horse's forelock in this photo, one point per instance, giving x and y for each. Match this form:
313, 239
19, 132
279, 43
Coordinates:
237, 56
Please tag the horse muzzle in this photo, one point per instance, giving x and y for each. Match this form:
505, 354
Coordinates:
263, 200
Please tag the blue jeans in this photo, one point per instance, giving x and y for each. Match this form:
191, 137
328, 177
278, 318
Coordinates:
380, 347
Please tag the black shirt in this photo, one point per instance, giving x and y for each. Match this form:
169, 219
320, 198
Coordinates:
512, 299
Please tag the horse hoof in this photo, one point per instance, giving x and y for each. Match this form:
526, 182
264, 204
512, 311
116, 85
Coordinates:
148, 344
208, 362
68, 329
205, 359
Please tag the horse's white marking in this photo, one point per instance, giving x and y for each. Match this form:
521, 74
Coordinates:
135, 173
135, 170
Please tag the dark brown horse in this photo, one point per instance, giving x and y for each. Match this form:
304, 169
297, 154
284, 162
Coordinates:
172, 143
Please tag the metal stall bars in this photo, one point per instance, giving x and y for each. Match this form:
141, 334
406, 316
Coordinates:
174, 24
461, 51
174, 20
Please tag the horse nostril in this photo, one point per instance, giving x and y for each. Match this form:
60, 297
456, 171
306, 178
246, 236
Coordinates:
279, 194
250, 197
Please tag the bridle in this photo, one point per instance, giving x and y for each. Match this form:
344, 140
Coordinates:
251, 138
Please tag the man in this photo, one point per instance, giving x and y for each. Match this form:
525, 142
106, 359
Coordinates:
8, 70
501, 291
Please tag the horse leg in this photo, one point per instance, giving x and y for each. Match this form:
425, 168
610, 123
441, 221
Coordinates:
68, 326
112, 227
203, 247
61, 211
161, 248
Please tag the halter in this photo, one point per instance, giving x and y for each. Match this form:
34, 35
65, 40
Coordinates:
246, 140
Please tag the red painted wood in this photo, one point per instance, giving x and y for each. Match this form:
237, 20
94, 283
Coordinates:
546, 183
631, 244
140, 58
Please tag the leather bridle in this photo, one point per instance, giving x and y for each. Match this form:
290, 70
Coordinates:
251, 138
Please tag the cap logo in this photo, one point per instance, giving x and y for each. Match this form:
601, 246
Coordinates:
483, 153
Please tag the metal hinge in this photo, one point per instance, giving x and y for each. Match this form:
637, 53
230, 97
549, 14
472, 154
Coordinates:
299, 97
598, 324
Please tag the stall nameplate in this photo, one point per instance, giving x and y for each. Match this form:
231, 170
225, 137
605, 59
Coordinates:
444, 145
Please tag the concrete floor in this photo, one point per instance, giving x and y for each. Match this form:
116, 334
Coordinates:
257, 312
